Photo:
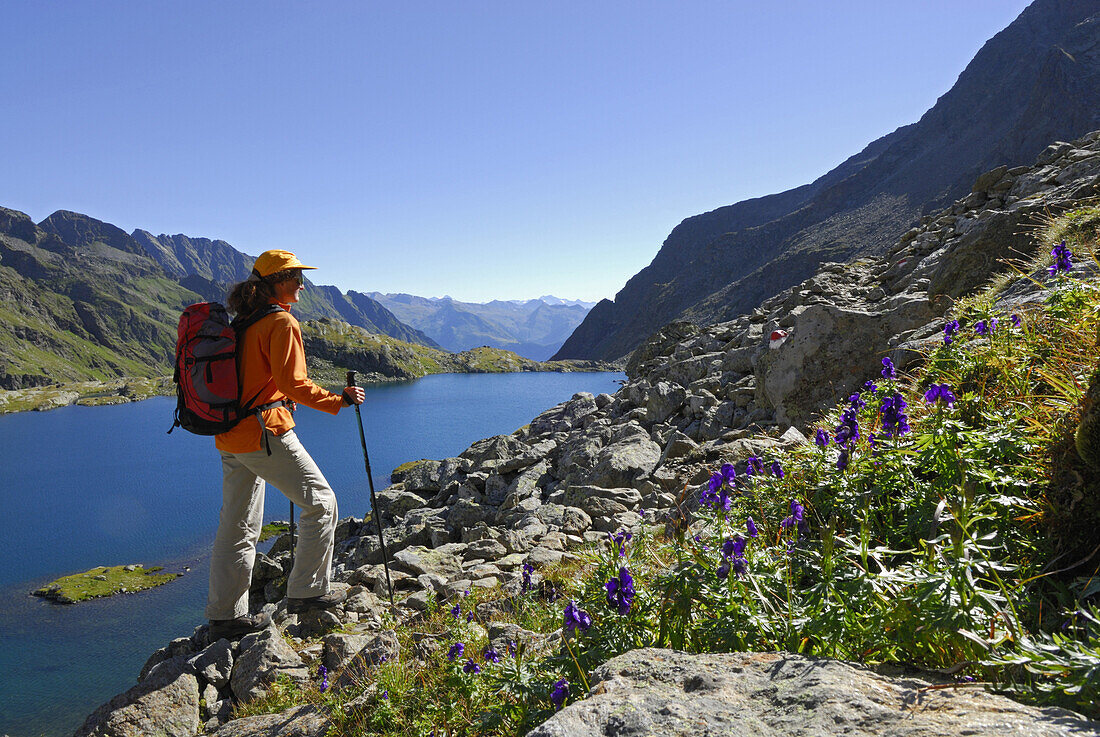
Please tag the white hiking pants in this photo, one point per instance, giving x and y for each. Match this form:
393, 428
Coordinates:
293, 472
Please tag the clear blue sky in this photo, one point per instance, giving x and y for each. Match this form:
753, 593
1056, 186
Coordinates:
478, 149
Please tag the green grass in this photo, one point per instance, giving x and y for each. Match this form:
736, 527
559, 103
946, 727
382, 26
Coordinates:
273, 529
103, 581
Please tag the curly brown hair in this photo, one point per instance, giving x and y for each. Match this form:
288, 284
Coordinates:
250, 295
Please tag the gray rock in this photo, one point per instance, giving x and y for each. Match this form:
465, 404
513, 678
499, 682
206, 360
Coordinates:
396, 503
486, 550
165, 703
263, 657
299, 721
565, 416
379, 649
340, 648
627, 459
420, 601
419, 559
678, 446
664, 400
362, 600
664, 692
215, 663
575, 521
422, 475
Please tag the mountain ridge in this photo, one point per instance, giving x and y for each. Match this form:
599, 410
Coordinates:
1003, 109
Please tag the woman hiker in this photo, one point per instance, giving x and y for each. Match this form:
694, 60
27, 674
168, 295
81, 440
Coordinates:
264, 447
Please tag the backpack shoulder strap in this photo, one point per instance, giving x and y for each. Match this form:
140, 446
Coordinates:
243, 323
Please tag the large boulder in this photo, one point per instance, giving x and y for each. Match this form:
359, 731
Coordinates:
165, 703
300, 721
664, 692
630, 457
262, 658
419, 560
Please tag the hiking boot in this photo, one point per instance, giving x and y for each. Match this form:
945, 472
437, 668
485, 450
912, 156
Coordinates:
231, 629
330, 600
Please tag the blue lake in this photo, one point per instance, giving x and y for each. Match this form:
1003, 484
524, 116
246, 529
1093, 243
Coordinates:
82, 487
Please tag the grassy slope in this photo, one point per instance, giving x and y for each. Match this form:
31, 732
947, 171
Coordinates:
947, 547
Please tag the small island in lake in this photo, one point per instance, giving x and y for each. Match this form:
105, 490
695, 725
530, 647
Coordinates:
104, 581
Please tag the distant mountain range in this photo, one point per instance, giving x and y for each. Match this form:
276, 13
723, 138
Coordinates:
81, 299
1035, 82
534, 328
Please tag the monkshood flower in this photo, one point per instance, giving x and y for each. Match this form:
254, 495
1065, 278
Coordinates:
857, 402
575, 618
888, 370
386, 695
950, 330
750, 526
456, 611
456, 651
1063, 258
734, 547
471, 667
797, 511
753, 466
322, 672
561, 690
512, 648
895, 423
777, 470
870, 385
821, 439
729, 473
619, 541
469, 616
724, 568
873, 442
940, 393
710, 493
491, 655
842, 460
848, 429
981, 328
1015, 320
528, 569
740, 566
620, 591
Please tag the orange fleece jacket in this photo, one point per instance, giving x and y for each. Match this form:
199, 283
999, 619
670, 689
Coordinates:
273, 367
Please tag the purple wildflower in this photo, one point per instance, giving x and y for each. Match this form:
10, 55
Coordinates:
729, 474
456, 651
895, 423
724, 568
940, 393
740, 566
797, 511
469, 616
471, 667
870, 385
386, 695
821, 439
528, 569
456, 611
491, 655
753, 466
620, 591
575, 618
512, 648
842, 460
619, 540
1015, 320
751, 527
848, 429
888, 370
322, 672
561, 690
950, 330
857, 401
1063, 258
981, 328
777, 470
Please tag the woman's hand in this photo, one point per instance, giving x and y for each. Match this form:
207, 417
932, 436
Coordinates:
354, 395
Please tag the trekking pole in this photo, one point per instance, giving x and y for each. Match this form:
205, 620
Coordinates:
291, 535
373, 500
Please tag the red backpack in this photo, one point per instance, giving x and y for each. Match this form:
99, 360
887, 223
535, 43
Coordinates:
208, 385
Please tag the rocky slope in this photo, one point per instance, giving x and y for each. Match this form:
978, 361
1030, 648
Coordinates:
535, 328
695, 396
1036, 81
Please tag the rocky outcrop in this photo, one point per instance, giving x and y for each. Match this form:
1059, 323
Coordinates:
1034, 82
664, 692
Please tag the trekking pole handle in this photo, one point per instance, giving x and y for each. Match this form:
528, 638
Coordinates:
351, 379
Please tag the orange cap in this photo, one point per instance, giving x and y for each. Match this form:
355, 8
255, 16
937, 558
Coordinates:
270, 262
